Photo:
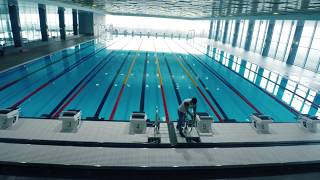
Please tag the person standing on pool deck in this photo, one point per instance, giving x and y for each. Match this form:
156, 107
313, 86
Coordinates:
183, 110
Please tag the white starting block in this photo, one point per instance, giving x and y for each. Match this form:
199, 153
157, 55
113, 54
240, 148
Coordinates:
8, 117
138, 123
204, 122
309, 122
261, 122
70, 119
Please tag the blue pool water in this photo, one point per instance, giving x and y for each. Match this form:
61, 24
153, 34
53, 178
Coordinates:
109, 80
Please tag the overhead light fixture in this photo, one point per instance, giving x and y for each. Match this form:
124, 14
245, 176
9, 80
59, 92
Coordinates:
275, 13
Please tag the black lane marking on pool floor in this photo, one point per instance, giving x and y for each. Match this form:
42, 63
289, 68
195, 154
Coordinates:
142, 97
96, 115
105, 60
206, 88
68, 69
212, 71
35, 71
173, 82
56, 77
261, 89
228, 84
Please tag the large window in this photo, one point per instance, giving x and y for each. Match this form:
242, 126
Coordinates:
313, 58
5, 26
262, 32
68, 21
255, 35
275, 38
29, 20
258, 36
304, 43
281, 39
53, 21
242, 34
230, 31
221, 30
285, 40
159, 26
214, 29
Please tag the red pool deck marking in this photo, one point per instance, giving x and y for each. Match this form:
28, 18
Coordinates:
115, 106
57, 77
226, 83
196, 85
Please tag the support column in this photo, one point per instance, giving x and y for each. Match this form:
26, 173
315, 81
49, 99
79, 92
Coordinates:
214, 51
231, 59
62, 24
75, 21
242, 67
210, 29
225, 31
43, 22
221, 56
259, 76
282, 87
86, 23
295, 42
236, 32
15, 22
267, 41
249, 35
208, 49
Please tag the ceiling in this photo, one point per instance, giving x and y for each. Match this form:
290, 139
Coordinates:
199, 9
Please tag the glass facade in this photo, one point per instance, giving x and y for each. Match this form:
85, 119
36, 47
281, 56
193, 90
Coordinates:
5, 26
29, 21
308, 53
230, 31
243, 35
295, 95
258, 36
281, 42
68, 21
53, 21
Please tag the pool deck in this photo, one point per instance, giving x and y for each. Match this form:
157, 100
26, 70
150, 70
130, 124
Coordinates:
118, 132
102, 144
303, 76
15, 56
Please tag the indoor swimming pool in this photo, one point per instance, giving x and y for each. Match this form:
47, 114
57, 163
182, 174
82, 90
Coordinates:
108, 80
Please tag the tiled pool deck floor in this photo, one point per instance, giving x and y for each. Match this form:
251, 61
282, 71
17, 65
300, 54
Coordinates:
226, 138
